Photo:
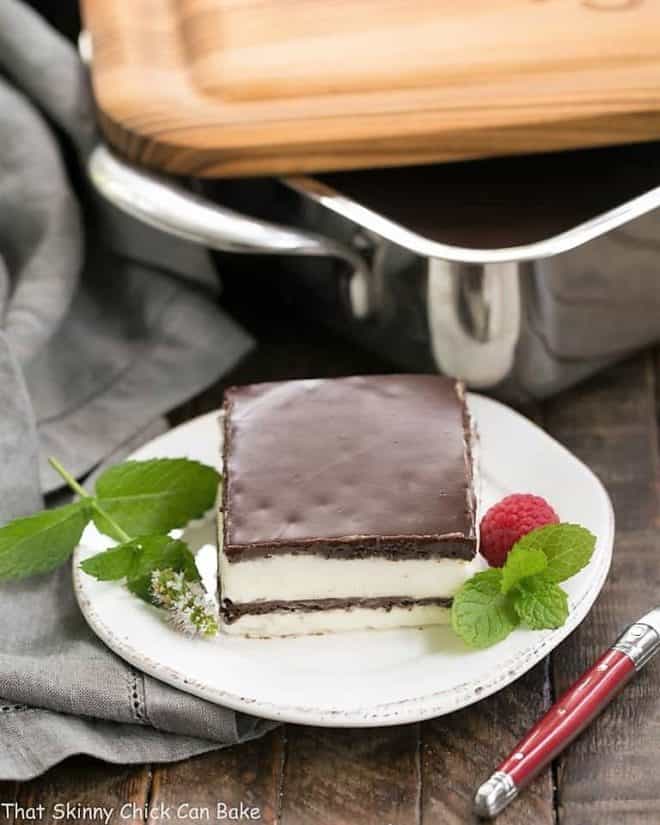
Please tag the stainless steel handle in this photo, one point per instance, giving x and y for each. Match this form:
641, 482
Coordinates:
173, 209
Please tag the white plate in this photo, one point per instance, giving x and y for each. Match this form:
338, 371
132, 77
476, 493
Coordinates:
367, 678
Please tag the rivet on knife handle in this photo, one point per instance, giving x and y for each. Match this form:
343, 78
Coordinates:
568, 717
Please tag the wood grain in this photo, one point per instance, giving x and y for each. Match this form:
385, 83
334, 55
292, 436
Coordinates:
85, 782
250, 774
8, 793
609, 775
236, 87
461, 750
344, 777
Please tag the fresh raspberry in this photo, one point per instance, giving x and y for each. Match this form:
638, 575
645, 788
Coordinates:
507, 521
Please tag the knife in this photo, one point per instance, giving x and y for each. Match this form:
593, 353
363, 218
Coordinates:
570, 714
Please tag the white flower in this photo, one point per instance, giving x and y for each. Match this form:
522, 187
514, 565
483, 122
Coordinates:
191, 611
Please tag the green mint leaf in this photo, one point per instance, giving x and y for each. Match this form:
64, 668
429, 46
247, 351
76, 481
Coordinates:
567, 547
142, 589
161, 552
135, 561
520, 564
106, 527
541, 604
145, 497
481, 613
113, 564
158, 553
40, 543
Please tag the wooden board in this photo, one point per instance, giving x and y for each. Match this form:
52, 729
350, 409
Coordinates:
243, 87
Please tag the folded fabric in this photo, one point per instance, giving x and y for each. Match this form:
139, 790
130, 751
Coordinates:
105, 325
64, 692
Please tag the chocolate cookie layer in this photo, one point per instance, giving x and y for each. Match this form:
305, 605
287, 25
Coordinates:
231, 612
348, 468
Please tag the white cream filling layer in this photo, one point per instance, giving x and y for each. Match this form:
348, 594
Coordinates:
289, 577
333, 621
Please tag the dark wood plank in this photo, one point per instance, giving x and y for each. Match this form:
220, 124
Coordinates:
609, 423
461, 750
8, 792
609, 775
345, 777
248, 775
86, 782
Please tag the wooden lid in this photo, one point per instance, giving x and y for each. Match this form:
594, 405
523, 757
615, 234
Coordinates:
261, 87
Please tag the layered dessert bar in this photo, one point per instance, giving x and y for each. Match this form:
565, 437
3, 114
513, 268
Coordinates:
347, 503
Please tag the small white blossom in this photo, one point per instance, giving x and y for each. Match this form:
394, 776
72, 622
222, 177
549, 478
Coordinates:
167, 586
190, 609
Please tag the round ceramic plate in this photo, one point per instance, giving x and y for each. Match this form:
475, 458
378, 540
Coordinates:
363, 678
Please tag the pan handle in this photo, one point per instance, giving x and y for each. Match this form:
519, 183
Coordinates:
157, 201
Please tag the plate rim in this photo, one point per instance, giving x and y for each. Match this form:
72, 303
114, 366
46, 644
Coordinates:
403, 711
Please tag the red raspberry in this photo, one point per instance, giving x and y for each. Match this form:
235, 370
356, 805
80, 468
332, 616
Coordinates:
506, 522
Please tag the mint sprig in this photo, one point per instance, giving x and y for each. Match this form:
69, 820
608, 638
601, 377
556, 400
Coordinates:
135, 503
136, 560
526, 590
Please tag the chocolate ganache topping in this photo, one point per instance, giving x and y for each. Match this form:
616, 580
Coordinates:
349, 468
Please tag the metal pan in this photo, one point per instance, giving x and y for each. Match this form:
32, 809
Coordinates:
476, 235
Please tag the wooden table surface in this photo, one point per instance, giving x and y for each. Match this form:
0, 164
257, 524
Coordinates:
427, 773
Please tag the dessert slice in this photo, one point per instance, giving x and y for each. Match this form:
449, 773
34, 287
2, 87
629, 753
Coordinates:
347, 503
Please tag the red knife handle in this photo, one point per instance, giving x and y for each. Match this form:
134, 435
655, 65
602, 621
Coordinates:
568, 717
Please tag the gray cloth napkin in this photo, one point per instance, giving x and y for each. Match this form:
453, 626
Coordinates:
104, 326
